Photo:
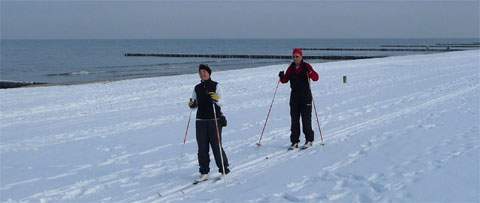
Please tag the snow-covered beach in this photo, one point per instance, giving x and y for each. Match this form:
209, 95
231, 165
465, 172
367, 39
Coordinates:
403, 129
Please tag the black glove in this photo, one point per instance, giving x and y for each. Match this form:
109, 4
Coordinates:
281, 74
192, 104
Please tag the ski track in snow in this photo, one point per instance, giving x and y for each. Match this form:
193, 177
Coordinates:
121, 141
355, 155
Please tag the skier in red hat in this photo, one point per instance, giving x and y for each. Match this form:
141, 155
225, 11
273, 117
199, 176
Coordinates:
299, 73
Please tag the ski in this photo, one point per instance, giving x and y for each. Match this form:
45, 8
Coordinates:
293, 147
216, 179
176, 190
181, 189
199, 181
303, 148
306, 146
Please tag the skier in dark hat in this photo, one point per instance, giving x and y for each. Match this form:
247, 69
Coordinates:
205, 97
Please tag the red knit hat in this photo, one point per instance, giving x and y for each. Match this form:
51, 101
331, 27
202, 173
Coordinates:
297, 51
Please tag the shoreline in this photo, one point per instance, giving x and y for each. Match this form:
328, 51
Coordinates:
20, 84
8, 84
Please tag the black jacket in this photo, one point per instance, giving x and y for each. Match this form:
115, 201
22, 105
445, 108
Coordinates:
204, 102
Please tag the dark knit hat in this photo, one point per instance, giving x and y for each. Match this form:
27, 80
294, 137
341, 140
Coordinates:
205, 67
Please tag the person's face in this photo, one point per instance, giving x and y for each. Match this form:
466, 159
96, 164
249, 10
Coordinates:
203, 74
297, 58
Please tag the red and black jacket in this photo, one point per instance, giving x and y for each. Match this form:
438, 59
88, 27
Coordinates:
298, 77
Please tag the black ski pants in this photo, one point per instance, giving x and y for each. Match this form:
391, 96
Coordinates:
206, 134
299, 109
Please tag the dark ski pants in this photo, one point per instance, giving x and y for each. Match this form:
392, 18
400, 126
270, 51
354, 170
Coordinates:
206, 138
303, 110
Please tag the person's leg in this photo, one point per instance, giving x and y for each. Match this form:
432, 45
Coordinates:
295, 123
306, 113
203, 146
215, 149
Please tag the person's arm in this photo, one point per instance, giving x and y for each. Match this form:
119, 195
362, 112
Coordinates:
193, 100
312, 74
194, 95
220, 94
286, 77
217, 95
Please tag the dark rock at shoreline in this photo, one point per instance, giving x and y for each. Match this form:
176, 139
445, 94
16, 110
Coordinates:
15, 84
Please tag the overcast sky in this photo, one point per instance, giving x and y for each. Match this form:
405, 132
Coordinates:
233, 19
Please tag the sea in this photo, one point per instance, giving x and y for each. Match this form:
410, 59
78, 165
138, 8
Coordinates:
73, 61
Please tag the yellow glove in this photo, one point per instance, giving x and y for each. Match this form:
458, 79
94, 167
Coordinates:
215, 97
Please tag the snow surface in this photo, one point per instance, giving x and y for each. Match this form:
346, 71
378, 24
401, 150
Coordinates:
403, 129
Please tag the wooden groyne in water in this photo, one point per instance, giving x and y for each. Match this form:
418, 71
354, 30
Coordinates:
434, 46
447, 46
248, 56
459, 44
383, 49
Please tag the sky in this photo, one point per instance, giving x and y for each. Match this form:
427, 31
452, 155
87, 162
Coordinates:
238, 19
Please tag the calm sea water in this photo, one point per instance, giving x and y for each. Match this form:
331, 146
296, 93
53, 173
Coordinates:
78, 61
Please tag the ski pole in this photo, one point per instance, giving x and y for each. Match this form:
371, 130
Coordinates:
316, 114
268, 115
188, 125
182, 152
220, 148
318, 122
